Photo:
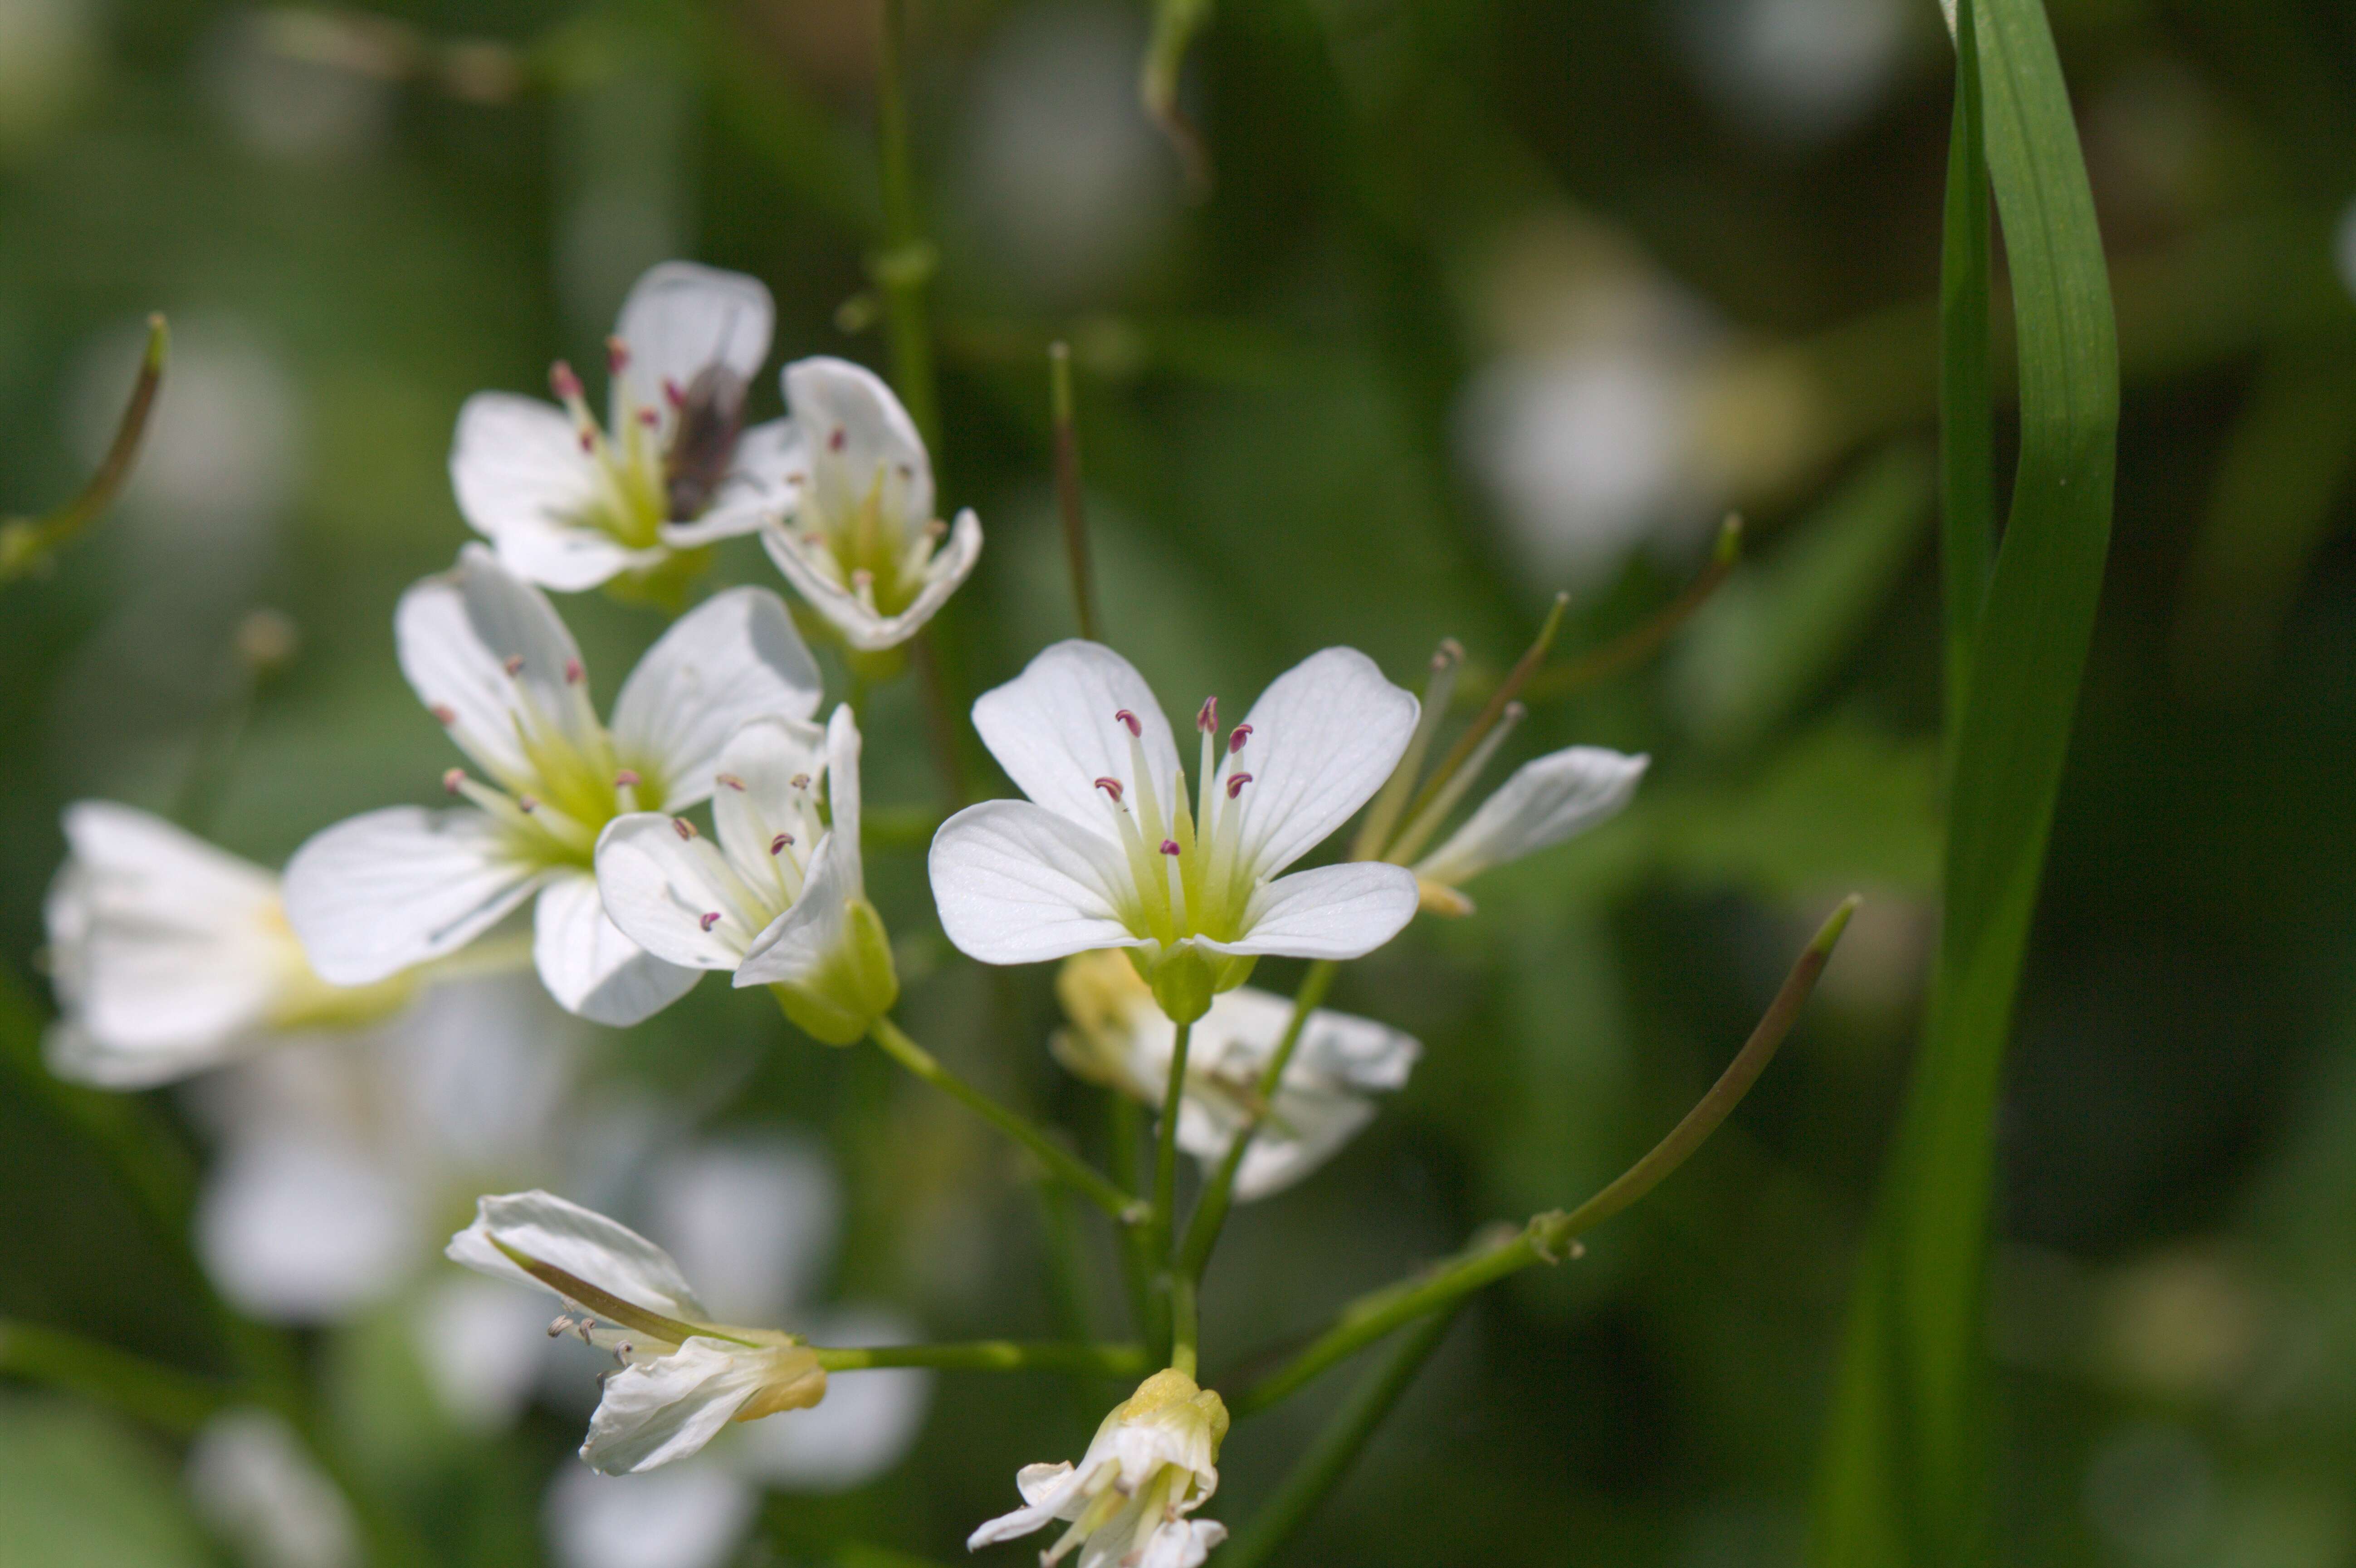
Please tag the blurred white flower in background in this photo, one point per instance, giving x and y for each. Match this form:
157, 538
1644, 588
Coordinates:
295, 109
1797, 71
688, 1515
753, 1221
251, 1482
1614, 411
338, 1162
1064, 176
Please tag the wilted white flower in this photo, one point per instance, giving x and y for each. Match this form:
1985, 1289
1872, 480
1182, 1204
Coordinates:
683, 1378
782, 900
570, 504
170, 956
383, 891
859, 540
1119, 1039
1154, 1461
1546, 801
1108, 852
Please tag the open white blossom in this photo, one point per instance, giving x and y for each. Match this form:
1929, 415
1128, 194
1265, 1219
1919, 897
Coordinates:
859, 540
170, 956
1153, 1461
1108, 852
683, 1378
570, 504
1546, 801
383, 891
1119, 1039
782, 900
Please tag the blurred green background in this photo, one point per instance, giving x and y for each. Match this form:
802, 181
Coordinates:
1481, 300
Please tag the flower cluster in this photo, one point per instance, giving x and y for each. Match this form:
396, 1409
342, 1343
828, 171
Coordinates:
1160, 890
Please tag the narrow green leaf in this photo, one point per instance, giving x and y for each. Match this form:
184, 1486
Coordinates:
1966, 392
1905, 1475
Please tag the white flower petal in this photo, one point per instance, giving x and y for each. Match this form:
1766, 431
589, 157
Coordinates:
1544, 803
657, 888
374, 895
861, 627
843, 798
590, 966
167, 955
754, 490
580, 1242
764, 756
656, 1411
854, 430
1333, 911
1182, 1543
457, 633
1052, 728
1050, 1492
524, 483
735, 657
1324, 737
1017, 884
680, 318
1306, 1127
801, 945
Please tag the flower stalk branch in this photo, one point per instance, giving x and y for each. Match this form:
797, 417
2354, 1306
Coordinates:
1640, 642
1078, 1359
1060, 1161
26, 543
1553, 1237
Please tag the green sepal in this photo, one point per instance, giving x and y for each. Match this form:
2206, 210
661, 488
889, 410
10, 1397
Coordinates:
857, 985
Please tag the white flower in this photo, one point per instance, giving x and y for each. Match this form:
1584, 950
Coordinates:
1108, 853
170, 956
859, 536
683, 1378
1154, 1461
250, 1477
1121, 1039
782, 900
394, 888
570, 504
1546, 801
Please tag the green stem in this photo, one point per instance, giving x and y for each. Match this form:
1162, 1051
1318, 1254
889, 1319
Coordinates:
1640, 642
1060, 1161
1165, 1144
1490, 711
1185, 1325
1338, 1447
163, 1397
1135, 1245
26, 543
1211, 1209
1552, 1237
1080, 1359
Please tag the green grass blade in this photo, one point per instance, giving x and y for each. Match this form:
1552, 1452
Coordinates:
1966, 392
1905, 1457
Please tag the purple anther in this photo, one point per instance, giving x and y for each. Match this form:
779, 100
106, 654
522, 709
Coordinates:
513, 665
574, 674
563, 381
618, 356
1170, 847
1111, 787
673, 394
648, 418
862, 578
731, 779
683, 828
455, 780
627, 779
778, 844
800, 781
1207, 721
1236, 782
709, 921
839, 440
443, 713
1237, 738
1126, 717
588, 442
527, 805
